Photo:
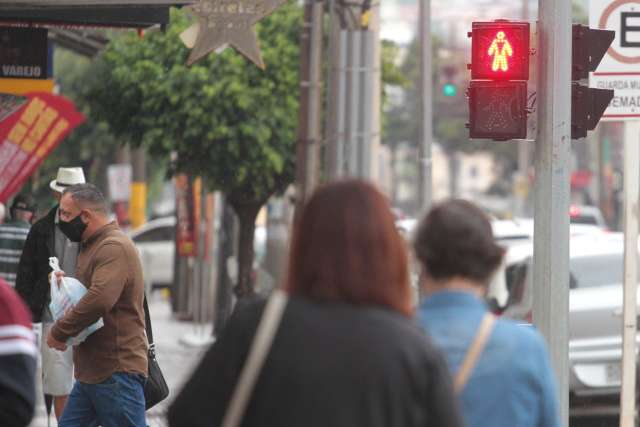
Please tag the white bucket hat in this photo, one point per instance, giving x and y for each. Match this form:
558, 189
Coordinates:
66, 178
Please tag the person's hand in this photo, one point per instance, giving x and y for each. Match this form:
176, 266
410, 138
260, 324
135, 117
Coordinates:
55, 344
59, 275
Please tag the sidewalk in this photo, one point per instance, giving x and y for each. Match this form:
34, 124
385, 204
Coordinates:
176, 361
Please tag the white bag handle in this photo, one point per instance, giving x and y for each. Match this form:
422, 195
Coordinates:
259, 349
55, 265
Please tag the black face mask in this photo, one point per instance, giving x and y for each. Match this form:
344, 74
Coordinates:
73, 229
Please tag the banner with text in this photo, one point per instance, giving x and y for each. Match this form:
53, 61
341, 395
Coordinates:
30, 134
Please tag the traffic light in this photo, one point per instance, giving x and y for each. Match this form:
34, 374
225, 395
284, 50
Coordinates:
449, 88
587, 104
499, 71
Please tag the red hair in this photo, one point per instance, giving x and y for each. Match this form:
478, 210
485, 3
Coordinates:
346, 247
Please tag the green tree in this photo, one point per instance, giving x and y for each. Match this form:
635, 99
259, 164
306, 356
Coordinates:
227, 121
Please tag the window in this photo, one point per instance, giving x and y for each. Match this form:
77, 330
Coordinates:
600, 270
160, 234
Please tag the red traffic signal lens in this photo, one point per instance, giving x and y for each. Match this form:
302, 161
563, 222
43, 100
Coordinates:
500, 51
498, 110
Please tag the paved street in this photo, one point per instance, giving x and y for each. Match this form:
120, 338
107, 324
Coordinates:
175, 359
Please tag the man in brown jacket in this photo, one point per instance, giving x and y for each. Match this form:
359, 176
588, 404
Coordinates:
111, 364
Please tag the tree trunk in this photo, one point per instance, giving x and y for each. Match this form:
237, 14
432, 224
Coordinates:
247, 213
223, 292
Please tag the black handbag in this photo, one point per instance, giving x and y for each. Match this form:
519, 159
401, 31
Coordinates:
156, 389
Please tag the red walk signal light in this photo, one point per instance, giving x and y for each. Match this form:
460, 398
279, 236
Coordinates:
500, 50
499, 72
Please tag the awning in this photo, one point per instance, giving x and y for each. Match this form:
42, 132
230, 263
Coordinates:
88, 13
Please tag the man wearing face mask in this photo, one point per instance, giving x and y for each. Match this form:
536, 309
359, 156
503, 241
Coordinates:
45, 239
111, 364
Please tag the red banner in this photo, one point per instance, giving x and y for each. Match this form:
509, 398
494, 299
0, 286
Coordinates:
30, 134
188, 214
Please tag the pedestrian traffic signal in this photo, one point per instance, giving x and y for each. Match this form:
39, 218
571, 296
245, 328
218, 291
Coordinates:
587, 104
499, 72
500, 50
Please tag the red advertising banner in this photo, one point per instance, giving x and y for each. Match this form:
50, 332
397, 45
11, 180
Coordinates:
188, 214
30, 134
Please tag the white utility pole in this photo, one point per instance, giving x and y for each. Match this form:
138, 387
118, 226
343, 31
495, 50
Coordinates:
631, 195
552, 192
426, 108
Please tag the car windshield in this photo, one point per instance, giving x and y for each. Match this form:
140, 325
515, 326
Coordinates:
600, 270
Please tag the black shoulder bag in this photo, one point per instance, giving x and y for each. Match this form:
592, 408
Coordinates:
156, 389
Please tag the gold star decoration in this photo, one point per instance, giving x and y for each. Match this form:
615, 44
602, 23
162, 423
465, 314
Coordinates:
231, 22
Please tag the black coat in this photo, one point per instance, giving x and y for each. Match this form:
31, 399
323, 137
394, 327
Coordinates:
331, 365
32, 282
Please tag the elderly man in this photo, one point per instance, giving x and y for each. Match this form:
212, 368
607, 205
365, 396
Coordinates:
45, 240
111, 364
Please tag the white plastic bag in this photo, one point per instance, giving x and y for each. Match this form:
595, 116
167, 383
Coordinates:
64, 297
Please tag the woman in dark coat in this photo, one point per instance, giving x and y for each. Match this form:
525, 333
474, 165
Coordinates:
346, 353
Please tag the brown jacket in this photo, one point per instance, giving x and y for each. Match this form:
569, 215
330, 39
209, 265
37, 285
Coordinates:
109, 266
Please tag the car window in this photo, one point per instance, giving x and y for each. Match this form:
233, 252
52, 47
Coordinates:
584, 219
600, 270
159, 234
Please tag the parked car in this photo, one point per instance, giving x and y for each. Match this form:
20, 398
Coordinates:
595, 316
586, 215
155, 241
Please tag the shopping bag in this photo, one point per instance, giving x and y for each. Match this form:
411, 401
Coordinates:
64, 296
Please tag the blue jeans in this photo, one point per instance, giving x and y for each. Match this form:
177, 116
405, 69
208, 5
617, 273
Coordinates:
116, 402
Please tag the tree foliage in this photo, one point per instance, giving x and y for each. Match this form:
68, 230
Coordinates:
228, 121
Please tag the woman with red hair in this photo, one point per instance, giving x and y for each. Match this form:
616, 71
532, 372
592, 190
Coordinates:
345, 352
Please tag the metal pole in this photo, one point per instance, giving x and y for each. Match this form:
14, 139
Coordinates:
523, 152
631, 195
551, 230
308, 149
332, 102
425, 108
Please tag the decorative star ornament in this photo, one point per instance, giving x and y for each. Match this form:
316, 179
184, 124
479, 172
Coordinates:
229, 22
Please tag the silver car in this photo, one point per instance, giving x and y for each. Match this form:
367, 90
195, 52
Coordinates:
595, 328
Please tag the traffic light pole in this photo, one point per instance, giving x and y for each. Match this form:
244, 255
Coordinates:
552, 192
425, 108
631, 195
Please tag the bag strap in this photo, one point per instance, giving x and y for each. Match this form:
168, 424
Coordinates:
260, 347
474, 352
147, 321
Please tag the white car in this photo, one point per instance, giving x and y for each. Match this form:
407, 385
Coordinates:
155, 241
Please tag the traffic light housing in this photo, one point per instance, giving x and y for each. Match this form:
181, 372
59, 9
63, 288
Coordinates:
499, 67
587, 104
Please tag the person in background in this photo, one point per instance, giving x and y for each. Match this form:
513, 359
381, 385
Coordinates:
347, 352
13, 234
501, 370
45, 240
111, 364
3, 212
18, 353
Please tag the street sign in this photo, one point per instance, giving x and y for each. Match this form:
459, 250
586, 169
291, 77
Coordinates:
23, 53
620, 67
119, 178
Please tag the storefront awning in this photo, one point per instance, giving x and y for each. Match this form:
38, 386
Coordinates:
88, 13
